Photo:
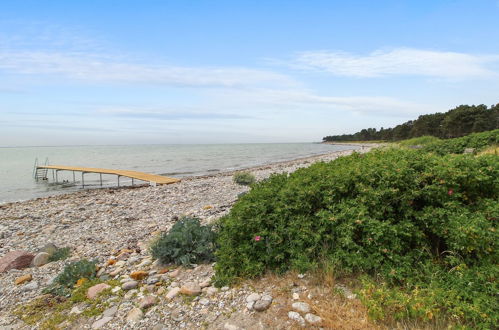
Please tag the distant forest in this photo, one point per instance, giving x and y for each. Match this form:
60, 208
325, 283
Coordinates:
463, 120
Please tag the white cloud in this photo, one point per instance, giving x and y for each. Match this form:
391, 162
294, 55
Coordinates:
400, 61
308, 101
94, 67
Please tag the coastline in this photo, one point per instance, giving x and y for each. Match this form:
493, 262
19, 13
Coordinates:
95, 223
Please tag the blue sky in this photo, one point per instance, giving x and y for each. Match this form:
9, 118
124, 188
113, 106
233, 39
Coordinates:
122, 72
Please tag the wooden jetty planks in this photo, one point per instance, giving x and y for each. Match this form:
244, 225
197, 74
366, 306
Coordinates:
158, 179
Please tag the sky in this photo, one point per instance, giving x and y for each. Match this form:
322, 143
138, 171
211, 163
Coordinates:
167, 72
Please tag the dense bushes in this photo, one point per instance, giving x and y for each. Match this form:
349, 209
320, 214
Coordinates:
244, 178
419, 141
186, 243
400, 215
477, 141
73, 271
60, 254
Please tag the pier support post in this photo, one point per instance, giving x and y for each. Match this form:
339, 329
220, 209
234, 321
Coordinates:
119, 180
74, 179
82, 180
132, 181
100, 175
56, 176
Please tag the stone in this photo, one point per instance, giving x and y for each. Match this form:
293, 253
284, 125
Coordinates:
262, 305
134, 315
139, 275
159, 327
116, 271
145, 263
224, 288
152, 280
30, 286
105, 277
100, 323
177, 316
297, 318
110, 312
253, 297
469, 150
75, 310
211, 291
229, 326
41, 259
249, 305
15, 260
175, 273
95, 290
204, 301
123, 256
47, 230
101, 272
147, 301
120, 263
301, 307
23, 279
49, 248
161, 291
130, 294
313, 319
205, 284
346, 291
130, 285
190, 289
172, 293
296, 296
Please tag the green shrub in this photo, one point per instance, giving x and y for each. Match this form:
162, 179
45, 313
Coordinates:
186, 243
60, 254
419, 141
73, 271
244, 178
478, 141
387, 213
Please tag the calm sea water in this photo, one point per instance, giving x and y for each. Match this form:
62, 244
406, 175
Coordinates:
16, 164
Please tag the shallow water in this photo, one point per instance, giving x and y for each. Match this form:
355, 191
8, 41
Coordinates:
16, 164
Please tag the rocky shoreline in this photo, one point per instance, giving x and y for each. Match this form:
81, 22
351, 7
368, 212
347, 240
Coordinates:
117, 224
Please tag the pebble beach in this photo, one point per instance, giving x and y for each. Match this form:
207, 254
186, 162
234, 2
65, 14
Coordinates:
117, 224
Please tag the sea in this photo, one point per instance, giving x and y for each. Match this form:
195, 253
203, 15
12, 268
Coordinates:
17, 163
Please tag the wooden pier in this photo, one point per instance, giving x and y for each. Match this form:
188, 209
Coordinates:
153, 179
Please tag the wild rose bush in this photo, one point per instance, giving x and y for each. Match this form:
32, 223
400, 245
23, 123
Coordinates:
477, 141
399, 215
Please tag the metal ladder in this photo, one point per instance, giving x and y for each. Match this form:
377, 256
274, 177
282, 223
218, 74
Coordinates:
40, 173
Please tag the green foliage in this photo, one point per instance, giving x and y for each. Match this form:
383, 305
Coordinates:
73, 271
60, 254
477, 141
244, 178
460, 121
463, 295
419, 141
186, 243
388, 213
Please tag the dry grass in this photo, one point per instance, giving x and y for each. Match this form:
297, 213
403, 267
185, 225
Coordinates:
493, 150
318, 290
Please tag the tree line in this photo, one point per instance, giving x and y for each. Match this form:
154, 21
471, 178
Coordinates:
457, 122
